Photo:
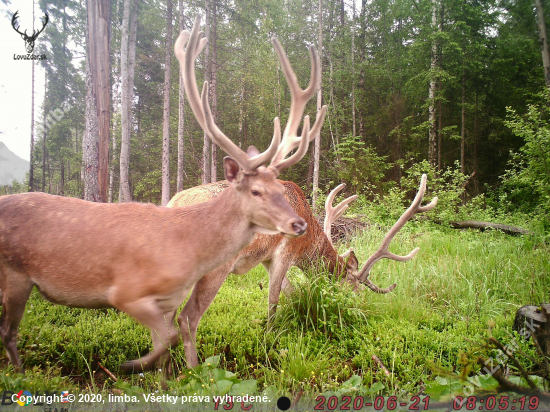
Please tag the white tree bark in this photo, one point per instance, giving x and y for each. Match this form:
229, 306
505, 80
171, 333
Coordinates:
317, 144
166, 116
181, 118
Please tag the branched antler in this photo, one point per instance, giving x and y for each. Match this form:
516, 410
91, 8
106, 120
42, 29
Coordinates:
383, 253
29, 39
334, 212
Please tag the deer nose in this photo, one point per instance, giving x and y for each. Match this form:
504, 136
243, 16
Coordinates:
299, 227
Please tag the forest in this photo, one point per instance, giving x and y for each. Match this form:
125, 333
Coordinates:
457, 90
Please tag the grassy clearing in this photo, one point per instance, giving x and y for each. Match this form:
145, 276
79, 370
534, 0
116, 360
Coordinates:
458, 284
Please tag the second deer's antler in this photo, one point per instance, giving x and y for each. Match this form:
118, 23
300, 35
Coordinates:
382, 252
334, 212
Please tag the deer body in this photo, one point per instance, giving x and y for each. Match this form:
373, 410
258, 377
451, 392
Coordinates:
313, 250
144, 259
141, 259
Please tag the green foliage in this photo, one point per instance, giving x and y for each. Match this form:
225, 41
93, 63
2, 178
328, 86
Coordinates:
360, 165
320, 303
526, 184
208, 379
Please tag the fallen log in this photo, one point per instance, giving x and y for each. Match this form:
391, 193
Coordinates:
475, 224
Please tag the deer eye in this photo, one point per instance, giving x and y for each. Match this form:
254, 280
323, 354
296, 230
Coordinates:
255, 193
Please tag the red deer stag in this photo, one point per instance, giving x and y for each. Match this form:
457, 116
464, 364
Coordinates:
314, 250
140, 258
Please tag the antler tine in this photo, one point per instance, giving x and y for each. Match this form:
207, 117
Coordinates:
333, 213
383, 253
299, 99
199, 104
46, 20
14, 21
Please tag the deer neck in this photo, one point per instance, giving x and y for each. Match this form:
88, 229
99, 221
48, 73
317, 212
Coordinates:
221, 225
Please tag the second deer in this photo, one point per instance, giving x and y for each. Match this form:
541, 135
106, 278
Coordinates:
314, 251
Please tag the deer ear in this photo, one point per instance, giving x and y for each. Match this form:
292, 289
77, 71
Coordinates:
231, 169
352, 263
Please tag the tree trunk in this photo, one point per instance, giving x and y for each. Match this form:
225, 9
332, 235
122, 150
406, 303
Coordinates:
181, 118
44, 140
213, 85
99, 22
432, 139
543, 41
90, 145
206, 147
166, 118
317, 151
352, 69
124, 193
31, 163
463, 124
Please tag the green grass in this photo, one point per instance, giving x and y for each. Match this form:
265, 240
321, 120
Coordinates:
458, 283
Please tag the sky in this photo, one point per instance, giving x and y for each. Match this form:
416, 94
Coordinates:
16, 79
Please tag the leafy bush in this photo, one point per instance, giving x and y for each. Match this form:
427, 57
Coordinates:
526, 185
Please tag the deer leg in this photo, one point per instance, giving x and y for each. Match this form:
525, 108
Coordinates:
277, 270
16, 291
165, 359
163, 331
286, 286
203, 294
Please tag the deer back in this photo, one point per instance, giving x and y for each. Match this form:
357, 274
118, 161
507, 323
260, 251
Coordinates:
311, 249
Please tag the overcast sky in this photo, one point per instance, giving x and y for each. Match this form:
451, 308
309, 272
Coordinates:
15, 79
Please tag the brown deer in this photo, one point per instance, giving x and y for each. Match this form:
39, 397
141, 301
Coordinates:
140, 258
314, 251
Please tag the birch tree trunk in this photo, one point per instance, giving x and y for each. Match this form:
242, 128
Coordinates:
206, 147
317, 147
543, 41
463, 125
213, 85
99, 22
31, 171
90, 144
352, 69
166, 117
124, 192
432, 136
181, 118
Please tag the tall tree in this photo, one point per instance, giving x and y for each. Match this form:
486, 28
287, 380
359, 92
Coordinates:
206, 171
124, 192
99, 22
166, 116
181, 116
213, 83
317, 147
31, 160
432, 134
543, 41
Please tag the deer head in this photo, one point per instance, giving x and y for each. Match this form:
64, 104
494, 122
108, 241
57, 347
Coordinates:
29, 40
354, 275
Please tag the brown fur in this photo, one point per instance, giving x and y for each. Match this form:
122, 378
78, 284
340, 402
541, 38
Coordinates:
276, 253
138, 258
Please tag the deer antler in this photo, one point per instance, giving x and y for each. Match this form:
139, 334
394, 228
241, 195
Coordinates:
34, 33
333, 213
299, 99
383, 252
200, 106
14, 22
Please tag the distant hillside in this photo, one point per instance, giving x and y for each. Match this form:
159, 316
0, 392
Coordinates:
12, 167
